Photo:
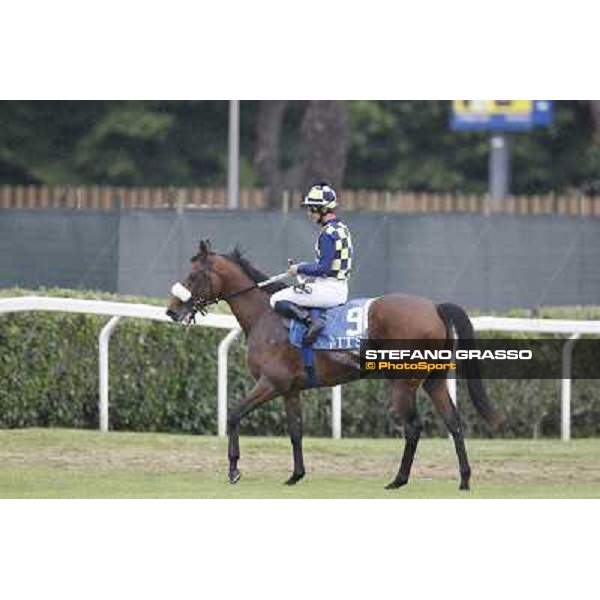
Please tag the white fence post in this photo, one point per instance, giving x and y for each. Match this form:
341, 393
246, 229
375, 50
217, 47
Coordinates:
336, 412
222, 381
565, 394
103, 341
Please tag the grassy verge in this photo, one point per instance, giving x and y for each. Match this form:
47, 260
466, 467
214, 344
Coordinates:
55, 463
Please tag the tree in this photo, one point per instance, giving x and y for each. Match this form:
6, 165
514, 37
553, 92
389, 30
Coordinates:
395, 145
325, 137
267, 155
323, 145
595, 110
409, 146
38, 139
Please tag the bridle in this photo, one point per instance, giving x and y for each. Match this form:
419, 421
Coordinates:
199, 304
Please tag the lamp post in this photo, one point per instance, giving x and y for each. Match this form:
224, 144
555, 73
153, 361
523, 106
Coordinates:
233, 164
499, 166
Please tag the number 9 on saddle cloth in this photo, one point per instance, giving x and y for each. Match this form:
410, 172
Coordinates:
343, 327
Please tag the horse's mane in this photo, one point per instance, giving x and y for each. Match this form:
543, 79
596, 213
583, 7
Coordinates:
237, 256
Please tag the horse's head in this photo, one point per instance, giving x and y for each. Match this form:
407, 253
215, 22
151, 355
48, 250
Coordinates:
199, 288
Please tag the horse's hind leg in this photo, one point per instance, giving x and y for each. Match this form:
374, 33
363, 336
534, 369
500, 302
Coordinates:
437, 388
293, 412
404, 405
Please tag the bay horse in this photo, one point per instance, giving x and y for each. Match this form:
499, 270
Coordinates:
278, 367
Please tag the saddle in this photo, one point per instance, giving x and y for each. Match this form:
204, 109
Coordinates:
345, 326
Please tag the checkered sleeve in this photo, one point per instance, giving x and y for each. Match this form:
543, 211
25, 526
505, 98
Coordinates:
321, 267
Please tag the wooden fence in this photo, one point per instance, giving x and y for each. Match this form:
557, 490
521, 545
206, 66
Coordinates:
133, 198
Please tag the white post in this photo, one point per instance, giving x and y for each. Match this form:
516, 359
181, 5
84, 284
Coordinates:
565, 393
222, 381
233, 169
103, 341
336, 412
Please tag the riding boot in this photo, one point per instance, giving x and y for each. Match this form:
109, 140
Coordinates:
293, 311
316, 325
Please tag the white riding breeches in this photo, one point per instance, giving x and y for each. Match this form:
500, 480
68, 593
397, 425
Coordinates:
323, 292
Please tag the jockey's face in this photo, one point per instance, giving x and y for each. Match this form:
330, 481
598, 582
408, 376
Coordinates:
313, 215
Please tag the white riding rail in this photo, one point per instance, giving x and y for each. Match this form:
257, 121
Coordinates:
574, 329
117, 310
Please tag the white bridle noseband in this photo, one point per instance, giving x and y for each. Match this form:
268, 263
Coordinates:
181, 292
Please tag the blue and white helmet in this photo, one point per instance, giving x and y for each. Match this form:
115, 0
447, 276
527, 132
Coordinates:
321, 197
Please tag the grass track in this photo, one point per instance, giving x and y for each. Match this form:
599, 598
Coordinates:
54, 463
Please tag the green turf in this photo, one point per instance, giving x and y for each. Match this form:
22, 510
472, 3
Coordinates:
53, 463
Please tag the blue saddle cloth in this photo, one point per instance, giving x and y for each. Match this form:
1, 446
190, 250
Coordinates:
345, 326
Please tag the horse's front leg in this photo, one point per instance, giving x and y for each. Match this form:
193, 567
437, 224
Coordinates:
262, 392
293, 412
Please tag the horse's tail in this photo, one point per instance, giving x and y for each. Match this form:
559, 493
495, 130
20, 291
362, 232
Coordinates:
457, 317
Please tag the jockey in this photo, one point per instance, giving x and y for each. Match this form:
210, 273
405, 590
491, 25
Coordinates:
327, 277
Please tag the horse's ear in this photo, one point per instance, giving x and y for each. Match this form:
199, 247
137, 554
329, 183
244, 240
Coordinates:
203, 249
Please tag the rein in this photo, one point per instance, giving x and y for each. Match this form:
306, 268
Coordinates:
200, 305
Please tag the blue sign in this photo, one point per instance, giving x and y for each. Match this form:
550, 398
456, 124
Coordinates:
500, 115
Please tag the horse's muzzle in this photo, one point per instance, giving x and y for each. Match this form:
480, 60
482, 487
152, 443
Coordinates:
182, 313
173, 315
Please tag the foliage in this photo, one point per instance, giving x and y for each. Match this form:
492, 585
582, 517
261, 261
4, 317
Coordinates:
393, 145
163, 378
409, 145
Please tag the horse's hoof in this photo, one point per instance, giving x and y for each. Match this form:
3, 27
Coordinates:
294, 479
394, 485
234, 477
464, 486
